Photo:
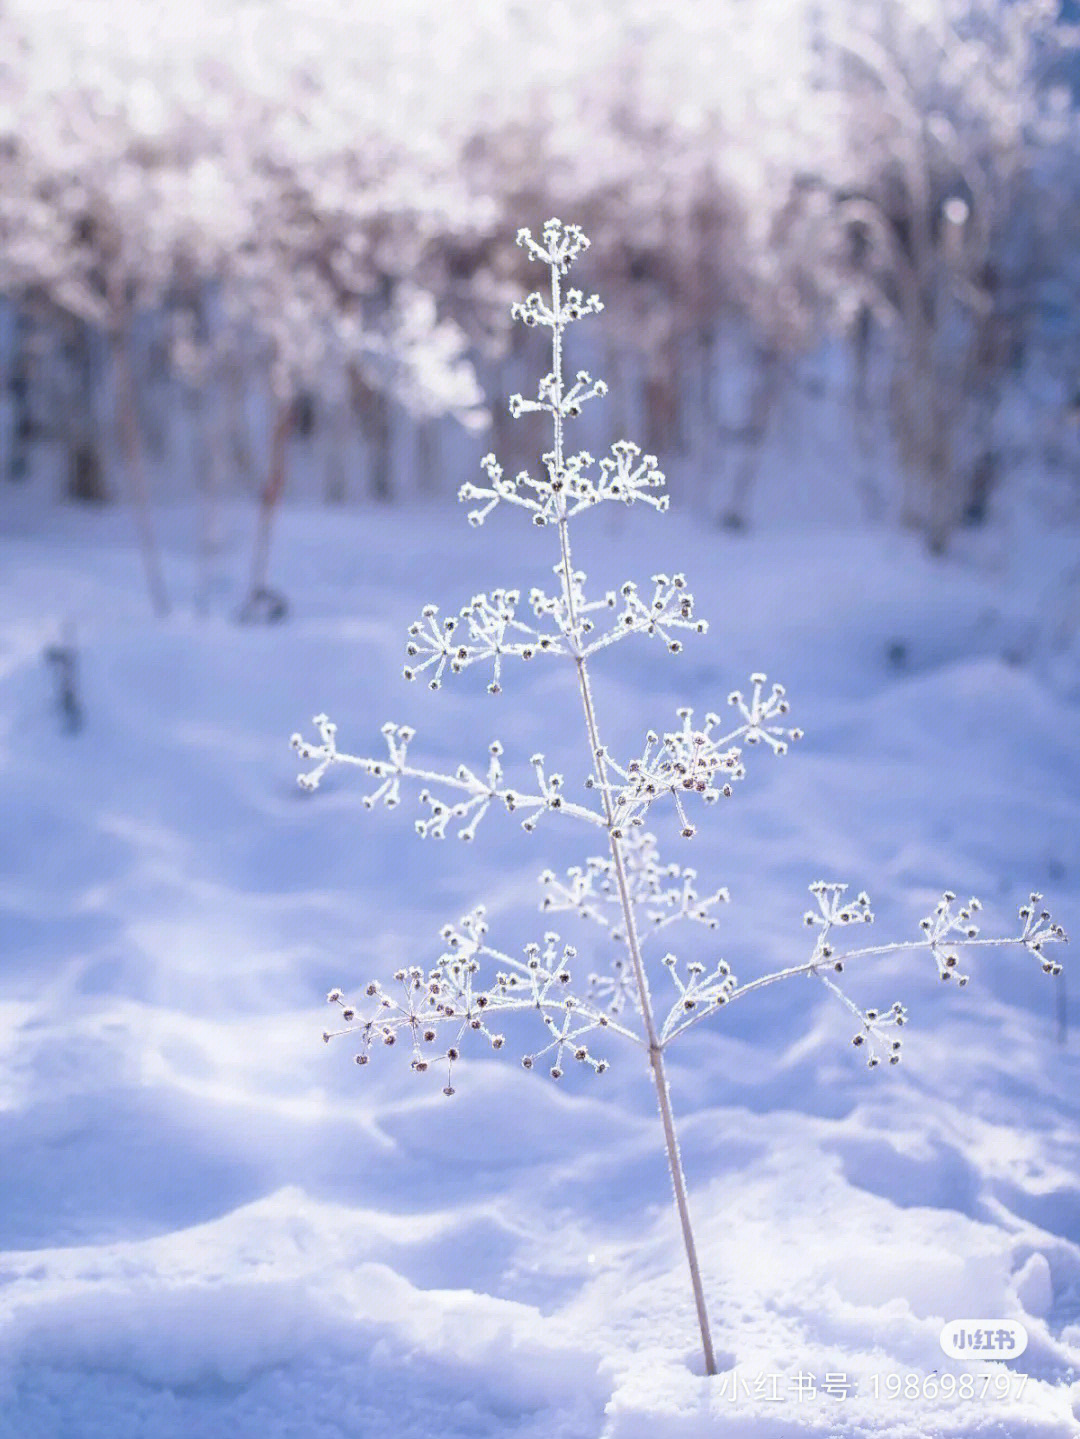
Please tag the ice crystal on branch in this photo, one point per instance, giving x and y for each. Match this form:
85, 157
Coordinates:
943, 933
479, 790
573, 483
570, 609
693, 760
758, 710
627, 891
585, 388
620, 476
943, 925
832, 910
561, 244
671, 608
491, 630
1040, 930
872, 1034
699, 992
685, 761
660, 894
436, 1011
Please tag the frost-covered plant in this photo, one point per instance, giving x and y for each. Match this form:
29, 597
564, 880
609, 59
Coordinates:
627, 890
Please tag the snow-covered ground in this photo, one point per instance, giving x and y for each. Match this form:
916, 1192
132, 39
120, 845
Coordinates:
214, 1225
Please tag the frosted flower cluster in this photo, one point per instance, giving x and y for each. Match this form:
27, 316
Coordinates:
487, 628
452, 997
571, 484
661, 893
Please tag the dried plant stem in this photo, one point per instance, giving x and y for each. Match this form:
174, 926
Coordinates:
633, 944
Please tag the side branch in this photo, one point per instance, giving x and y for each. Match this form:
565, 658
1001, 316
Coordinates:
479, 790
945, 933
487, 628
454, 997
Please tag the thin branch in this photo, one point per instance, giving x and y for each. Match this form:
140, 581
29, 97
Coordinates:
481, 791
1039, 930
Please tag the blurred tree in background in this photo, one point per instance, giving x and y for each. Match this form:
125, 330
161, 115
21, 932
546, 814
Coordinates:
263, 244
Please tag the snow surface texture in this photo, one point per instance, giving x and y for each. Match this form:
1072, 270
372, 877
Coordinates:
214, 1225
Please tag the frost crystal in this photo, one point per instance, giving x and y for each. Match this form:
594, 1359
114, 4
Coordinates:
455, 998
487, 628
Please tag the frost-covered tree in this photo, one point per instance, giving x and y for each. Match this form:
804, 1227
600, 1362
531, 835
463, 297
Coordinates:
649, 996
318, 195
940, 101
87, 164
248, 179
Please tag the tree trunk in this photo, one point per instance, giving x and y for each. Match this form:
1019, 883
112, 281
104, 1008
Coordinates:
260, 603
127, 423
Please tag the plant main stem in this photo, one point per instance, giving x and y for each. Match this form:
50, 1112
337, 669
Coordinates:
633, 944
